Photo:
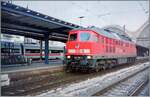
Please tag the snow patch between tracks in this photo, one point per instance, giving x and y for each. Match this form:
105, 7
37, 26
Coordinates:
5, 81
94, 85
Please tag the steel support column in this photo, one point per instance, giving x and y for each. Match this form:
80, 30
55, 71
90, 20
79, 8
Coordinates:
41, 50
46, 48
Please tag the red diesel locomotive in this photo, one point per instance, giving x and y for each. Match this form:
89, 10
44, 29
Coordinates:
95, 49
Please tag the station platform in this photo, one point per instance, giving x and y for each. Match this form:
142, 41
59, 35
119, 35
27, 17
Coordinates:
25, 72
36, 65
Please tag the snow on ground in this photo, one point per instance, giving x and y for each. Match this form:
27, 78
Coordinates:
126, 87
92, 86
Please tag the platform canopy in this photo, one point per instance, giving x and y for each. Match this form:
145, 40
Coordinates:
17, 20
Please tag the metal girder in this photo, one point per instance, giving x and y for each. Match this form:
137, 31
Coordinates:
64, 29
23, 28
22, 33
33, 35
20, 23
17, 10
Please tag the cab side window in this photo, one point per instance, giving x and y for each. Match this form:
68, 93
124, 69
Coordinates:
94, 38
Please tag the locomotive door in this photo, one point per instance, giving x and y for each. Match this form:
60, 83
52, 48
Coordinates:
102, 46
97, 47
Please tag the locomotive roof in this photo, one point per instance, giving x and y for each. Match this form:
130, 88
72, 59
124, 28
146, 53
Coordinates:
108, 33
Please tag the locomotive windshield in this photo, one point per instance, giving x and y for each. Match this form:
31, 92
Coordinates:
73, 37
84, 36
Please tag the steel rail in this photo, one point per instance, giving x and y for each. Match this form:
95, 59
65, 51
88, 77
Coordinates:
139, 88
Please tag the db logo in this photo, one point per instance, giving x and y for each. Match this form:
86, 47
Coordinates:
77, 46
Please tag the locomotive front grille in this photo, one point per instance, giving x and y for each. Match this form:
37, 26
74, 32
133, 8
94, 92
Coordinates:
79, 60
76, 58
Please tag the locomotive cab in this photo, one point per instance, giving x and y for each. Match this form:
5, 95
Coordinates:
79, 48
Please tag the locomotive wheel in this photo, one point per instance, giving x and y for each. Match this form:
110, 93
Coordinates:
67, 69
110, 66
97, 67
113, 64
104, 67
89, 70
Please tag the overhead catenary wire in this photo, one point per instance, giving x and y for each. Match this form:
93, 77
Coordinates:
108, 13
89, 12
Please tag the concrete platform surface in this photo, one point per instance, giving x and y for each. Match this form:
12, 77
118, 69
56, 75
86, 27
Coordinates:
31, 67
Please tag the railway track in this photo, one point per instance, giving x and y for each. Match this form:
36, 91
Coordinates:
131, 86
94, 85
47, 82
136, 91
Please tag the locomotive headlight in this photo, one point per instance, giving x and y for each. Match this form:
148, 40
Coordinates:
68, 57
71, 50
86, 50
89, 57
